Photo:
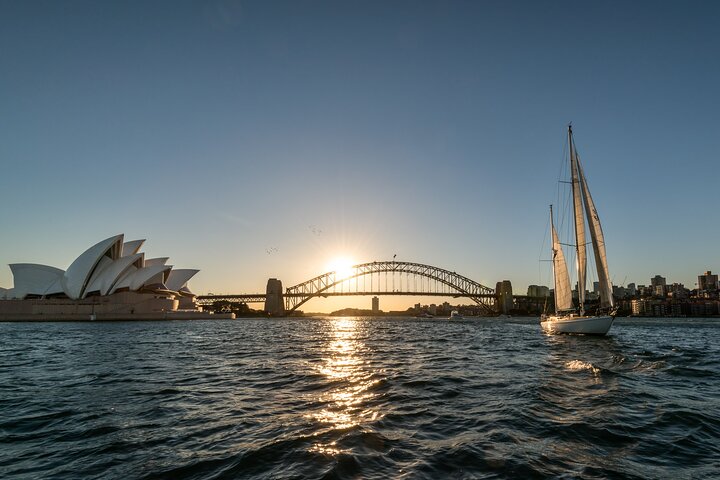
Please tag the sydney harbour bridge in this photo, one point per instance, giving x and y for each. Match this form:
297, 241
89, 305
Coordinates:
377, 279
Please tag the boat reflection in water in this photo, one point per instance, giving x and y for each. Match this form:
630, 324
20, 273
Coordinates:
346, 404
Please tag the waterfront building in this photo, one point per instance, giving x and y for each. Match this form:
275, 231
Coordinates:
708, 282
678, 291
699, 309
659, 286
111, 278
644, 291
620, 292
640, 306
375, 305
659, 309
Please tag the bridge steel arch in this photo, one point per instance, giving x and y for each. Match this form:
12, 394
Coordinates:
459, 285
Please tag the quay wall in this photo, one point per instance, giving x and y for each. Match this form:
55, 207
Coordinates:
116, 307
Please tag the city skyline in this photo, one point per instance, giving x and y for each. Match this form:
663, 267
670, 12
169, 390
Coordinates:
253, 140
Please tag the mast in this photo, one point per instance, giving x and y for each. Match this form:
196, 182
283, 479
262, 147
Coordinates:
581, 253
552, 228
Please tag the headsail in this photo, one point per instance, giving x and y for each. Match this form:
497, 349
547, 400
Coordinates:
579, 222
598, 243
563, 293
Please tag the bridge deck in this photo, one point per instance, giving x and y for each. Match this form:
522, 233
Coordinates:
261, 297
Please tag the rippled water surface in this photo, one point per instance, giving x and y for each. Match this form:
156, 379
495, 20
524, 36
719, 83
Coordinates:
358, 398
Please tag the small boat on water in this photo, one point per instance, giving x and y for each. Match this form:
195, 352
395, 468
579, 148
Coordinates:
567, 317
455, 315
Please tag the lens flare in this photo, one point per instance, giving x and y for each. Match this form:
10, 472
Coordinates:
342, 266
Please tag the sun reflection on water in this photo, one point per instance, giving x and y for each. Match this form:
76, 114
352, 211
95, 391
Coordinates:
347, 403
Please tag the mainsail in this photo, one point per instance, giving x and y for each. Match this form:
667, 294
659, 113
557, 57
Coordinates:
579, 222
598, 243
563, 294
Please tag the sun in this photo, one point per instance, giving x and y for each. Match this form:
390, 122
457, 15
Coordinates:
342, 266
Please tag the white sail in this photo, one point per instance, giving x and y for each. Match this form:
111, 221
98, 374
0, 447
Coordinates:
563, 293
598, 243
579, 223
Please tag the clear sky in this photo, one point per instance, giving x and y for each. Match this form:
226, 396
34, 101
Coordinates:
222, 130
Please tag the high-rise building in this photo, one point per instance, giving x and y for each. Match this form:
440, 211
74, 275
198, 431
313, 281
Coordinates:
644, 291
677, 290
375, 305
708, 282
620, 292
659, 286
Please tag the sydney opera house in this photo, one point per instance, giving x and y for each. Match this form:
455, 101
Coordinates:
112, 280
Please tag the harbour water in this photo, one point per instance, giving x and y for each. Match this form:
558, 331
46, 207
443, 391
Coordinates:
359, 398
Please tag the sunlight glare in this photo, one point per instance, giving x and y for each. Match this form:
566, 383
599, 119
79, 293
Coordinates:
349, 402
342, 266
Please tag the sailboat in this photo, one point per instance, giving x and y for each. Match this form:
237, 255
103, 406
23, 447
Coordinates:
567, 317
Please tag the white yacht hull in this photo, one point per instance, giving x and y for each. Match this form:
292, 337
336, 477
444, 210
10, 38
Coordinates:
575, 324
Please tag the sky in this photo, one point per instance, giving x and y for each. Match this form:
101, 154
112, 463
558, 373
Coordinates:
255, 139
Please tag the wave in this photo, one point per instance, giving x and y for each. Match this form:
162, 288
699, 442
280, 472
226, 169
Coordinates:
282, 398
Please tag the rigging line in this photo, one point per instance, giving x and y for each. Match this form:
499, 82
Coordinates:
542, 249
562, 173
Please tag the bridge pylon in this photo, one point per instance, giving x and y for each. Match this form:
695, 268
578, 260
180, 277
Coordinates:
504, 302
274, 298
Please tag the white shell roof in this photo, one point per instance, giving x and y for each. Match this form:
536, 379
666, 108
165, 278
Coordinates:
179, 278
105, 267
105, 280
79, 272
35, 279
134, 280
97, 273
132, 247
156, 261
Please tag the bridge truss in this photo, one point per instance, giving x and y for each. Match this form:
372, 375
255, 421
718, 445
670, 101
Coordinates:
391, 278
211, 298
